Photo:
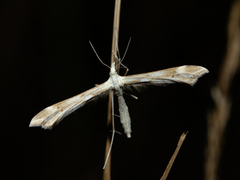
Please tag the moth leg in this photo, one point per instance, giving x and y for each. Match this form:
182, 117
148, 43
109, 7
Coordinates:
133, 96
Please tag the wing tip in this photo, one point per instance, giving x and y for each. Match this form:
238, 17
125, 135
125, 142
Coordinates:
33, 123
204, 71
201, 73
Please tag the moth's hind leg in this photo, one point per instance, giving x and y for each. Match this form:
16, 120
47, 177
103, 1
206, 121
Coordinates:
126, 69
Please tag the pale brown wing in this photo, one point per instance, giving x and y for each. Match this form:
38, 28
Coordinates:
188, 74
52, 115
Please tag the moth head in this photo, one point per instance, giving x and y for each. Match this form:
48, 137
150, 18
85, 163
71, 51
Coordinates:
112, 69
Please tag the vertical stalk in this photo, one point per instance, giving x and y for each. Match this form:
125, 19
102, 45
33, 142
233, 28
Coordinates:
218, 119
115, 33
110, 117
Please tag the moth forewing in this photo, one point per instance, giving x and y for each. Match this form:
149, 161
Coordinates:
188, 74
52, 115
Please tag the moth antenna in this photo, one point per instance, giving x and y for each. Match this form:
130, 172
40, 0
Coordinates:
126, 49
118, 57
98, 56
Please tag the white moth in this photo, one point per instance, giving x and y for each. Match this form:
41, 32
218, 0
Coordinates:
52, 115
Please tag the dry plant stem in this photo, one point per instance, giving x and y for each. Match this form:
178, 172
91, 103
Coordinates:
113, 129
218, 119
169, 166
110, 118
107, 164
115, 33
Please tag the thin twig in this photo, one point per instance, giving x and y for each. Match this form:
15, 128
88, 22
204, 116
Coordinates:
217, 120
169, 166
110, 118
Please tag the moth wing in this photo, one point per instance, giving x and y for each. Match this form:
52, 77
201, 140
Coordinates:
187, 74
52, 115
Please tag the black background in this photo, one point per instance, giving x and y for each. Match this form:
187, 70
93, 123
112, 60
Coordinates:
46, 58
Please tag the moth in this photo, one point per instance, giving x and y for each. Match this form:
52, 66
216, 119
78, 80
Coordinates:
52, 115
